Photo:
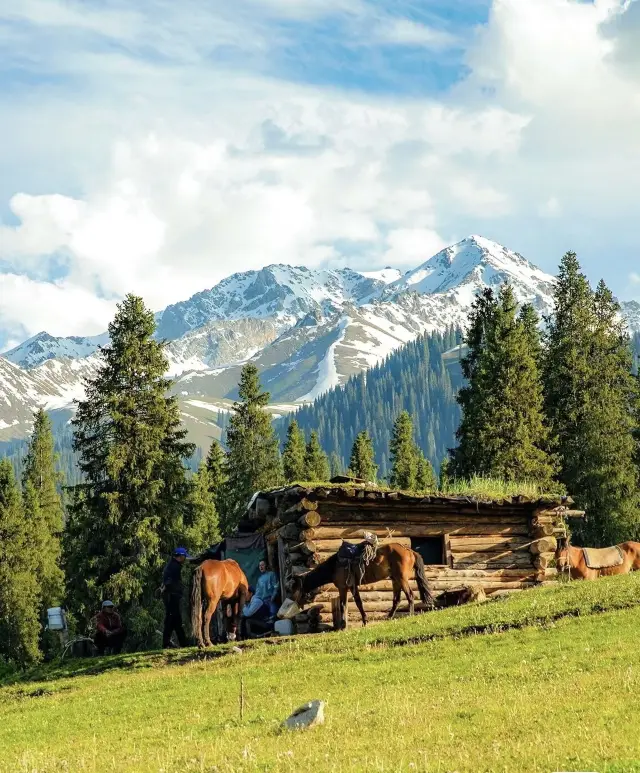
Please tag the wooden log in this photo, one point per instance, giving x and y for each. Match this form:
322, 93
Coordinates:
333, 545
290, 531
335, 530
545, 545
376, 512
306, 548
293, 513
310, 519
387, 596
544, 560
487, 544
542, 530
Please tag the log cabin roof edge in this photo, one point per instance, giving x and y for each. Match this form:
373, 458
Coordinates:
338, 492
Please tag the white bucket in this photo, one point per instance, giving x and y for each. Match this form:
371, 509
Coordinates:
56, 619
288, 609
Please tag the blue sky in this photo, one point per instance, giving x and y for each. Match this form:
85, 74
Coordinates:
156, 147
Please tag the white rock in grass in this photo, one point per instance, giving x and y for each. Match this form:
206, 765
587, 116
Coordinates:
306, 717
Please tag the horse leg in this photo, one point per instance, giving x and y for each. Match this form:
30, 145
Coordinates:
211, 608
343, 606
242, 597
409, 594
355, 592
397, 590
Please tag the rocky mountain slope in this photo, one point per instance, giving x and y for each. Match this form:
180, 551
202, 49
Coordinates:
307, 330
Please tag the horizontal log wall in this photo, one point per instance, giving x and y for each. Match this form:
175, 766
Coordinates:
502, 551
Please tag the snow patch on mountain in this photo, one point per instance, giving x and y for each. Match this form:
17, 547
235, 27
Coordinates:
327, 370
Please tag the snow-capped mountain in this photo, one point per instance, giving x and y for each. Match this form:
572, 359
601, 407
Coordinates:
473, 263
281, 293
51, 385
42, 347
306, 330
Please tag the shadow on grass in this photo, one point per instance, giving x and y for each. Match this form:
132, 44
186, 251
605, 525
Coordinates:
133, 661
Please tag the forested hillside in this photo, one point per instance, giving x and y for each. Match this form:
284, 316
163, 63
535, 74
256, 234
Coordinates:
414, 378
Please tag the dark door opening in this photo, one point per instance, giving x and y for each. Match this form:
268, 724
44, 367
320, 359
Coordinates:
432, 549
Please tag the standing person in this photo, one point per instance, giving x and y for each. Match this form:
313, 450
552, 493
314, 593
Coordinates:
110, 630
172, 590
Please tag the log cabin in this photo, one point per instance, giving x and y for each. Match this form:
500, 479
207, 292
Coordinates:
501, 546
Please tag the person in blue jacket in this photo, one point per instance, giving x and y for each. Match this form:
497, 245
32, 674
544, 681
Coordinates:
265, 593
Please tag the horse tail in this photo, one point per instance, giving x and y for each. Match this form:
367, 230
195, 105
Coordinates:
421, 579
196, 605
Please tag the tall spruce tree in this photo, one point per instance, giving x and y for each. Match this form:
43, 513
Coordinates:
202, 526
470, 457
425, 475
130, 509
216, 473
20, 597
591, 398
335, 464
404, 459
253, 460
316, 462
43, 509
293, 453
503, 433
215, 463
362, 463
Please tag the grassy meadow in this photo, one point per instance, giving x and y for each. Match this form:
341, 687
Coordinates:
547, 680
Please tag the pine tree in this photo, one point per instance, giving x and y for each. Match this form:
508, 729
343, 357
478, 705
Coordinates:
43, 509
293, 454
20, 597
130, 510
503, 433
202, 527
316, 463
215, 463
335, 464
216, 474
362, 463
591, 398
253, 460
470, 456
425, 476
404, 459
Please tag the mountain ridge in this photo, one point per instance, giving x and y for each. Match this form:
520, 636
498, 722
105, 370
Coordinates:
307, 330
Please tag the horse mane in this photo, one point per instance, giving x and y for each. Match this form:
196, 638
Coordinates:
321, 575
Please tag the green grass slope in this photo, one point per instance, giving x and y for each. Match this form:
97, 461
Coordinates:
547, 680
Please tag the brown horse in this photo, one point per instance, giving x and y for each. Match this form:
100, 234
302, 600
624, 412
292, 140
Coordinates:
570, 559
392, 561
217, 581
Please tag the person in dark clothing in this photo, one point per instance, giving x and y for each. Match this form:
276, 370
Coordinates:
110, 631
172, 590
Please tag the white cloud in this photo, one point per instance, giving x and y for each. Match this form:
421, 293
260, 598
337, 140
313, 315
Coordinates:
412, 33
413, 245
60, 308
478, 199
166, 172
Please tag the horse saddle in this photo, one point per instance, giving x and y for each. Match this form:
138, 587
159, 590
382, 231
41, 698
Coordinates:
603, 558
349, 553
